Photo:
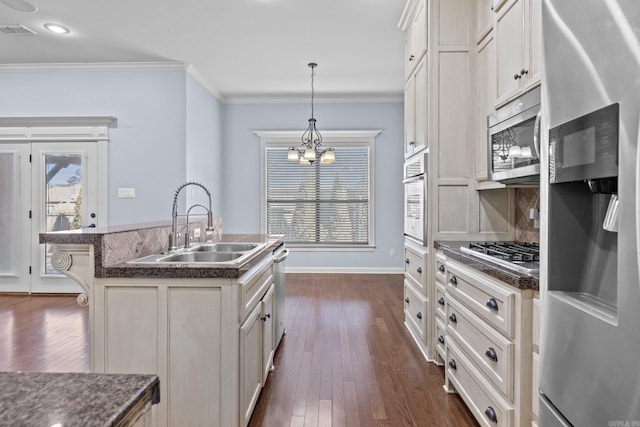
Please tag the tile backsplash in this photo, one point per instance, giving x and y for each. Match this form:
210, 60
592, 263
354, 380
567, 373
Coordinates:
526, 199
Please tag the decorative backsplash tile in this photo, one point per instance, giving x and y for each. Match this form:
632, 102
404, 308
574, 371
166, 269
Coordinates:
121, 247
526, 199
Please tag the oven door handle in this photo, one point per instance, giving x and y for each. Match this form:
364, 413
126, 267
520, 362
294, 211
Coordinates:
536, 133
413, 179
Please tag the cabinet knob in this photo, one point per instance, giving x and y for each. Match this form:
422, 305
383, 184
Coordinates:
452, 364
265, 317
406, 300
419, 315
441, 339
412, 143
453, 318
441, 301
491, 354
492, 304
412, 58
491, 414
407, 261
524, 71
419, 270
453, 280
441, 268
516, 76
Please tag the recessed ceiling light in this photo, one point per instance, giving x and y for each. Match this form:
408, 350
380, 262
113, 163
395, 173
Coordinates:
19, 5
56, 28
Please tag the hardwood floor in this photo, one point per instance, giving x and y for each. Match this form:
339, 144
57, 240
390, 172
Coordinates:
346, 360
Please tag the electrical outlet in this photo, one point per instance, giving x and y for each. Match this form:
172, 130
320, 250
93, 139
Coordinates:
534, 213
392, 252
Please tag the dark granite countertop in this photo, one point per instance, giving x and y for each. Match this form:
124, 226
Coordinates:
41, 399
115, 245
512, 278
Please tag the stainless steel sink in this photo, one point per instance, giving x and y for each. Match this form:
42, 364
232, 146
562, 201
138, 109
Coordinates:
212, 253
224, 247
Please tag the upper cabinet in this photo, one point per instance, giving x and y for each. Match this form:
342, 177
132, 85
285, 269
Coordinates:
484, 19
415, 110
415, 37
518, 36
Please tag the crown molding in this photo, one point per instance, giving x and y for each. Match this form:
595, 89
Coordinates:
94, 66
338, 99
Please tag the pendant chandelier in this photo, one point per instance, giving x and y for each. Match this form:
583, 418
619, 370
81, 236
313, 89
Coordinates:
311, 149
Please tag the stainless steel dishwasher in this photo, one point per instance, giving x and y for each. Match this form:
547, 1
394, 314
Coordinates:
280, 254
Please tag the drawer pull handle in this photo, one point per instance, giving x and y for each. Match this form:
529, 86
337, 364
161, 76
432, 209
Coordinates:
441, 301
453, 318
419, 270
441, 339
452, 364
441, 268
491, 354
491, 414
265, 317
492, 304
406, 300
453, 280
419, 315
407, 261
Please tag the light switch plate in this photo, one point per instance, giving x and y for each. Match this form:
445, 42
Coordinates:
126, 193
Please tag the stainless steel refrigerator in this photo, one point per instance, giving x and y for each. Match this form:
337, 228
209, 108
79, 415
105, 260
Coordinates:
590, 333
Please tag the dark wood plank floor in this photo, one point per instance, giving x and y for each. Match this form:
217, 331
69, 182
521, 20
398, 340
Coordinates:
347, 359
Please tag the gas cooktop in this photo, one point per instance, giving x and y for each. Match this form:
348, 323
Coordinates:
518, 256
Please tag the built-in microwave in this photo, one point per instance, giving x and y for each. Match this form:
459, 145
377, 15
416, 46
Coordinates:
514, 140
586, 148
415, 197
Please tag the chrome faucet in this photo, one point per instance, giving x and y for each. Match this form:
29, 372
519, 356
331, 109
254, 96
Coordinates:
173, 238
186, 236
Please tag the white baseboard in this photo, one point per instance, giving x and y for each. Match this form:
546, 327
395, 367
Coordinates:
344, 270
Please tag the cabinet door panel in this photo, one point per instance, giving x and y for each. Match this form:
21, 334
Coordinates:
509, 50
420, 100
267, 333
250, 364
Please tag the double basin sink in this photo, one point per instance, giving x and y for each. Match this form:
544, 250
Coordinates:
226, 253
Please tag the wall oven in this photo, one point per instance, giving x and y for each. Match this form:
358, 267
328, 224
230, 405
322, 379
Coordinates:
415, 198
514, 140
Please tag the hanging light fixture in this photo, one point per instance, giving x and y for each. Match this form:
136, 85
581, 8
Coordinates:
311, 148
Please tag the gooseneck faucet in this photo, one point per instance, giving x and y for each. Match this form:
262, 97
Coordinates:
173, 238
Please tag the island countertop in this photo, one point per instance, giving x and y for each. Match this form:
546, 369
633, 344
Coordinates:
75, 399
114, 246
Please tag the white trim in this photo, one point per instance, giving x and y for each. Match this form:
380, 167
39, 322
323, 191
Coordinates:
371, 98
94, 66
204, 82
53, 121
270, 137
344, 270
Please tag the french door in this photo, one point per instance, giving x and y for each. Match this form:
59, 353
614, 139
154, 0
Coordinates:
44, 186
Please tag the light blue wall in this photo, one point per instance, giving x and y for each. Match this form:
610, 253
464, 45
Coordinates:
241, 170
204, 145
170, 129
147, 149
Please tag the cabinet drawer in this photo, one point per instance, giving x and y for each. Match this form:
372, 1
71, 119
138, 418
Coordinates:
535, 325
415, 309
254, 284
441, 302
440, 338
492, 353
489, 409
485, 297
440, 269
414, 266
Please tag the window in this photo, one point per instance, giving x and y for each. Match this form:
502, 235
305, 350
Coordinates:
320, 205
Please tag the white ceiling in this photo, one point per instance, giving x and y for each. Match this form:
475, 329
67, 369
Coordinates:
242, 50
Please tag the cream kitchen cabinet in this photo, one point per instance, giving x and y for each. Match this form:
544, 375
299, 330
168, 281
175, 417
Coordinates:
441, 309
415, 29
484, 18
535, 360
488, 346
518, 48
415, 110
486, 83
256, 353
418, 312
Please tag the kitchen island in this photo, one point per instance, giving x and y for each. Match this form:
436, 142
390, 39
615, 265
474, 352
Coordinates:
206, 329
76, 399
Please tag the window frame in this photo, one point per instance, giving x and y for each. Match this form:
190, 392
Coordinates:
331, 138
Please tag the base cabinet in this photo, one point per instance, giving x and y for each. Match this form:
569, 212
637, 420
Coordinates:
205, 338
488, 344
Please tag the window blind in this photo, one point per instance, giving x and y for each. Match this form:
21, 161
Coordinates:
319, 204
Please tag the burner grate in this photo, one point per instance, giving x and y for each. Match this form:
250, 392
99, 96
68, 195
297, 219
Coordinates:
520, 256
